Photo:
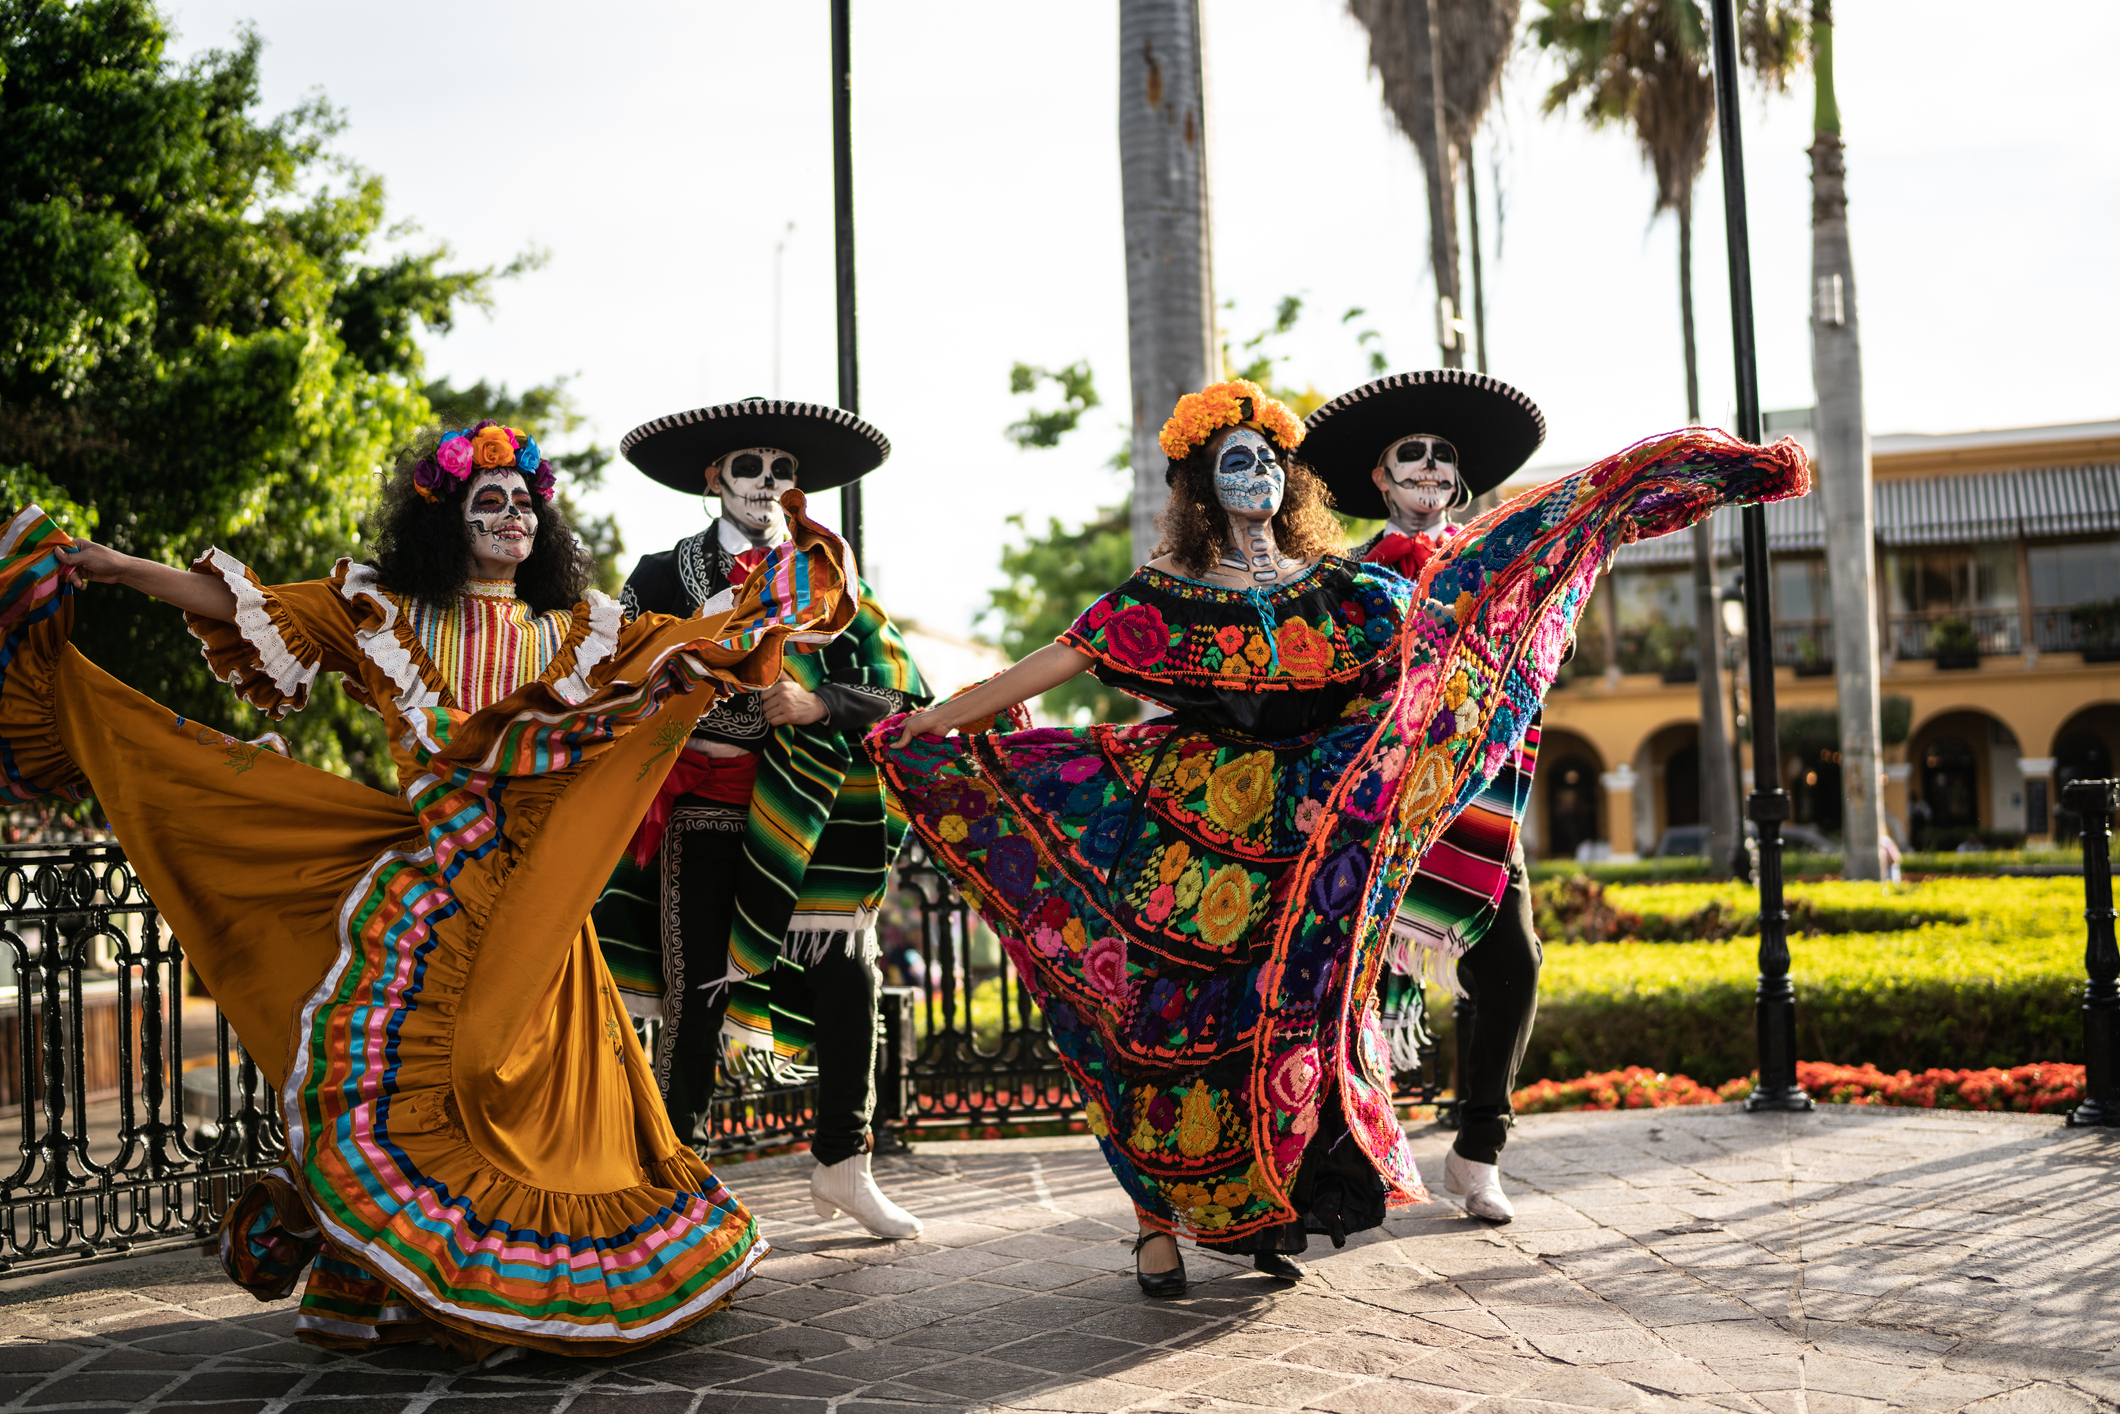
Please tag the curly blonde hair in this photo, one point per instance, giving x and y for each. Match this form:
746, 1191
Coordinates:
1195, 527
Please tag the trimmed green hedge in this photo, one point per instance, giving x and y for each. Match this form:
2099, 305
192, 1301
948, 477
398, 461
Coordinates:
1808, 866
2001, 988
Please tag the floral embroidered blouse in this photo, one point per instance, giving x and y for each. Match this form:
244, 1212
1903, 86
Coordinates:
1266, 663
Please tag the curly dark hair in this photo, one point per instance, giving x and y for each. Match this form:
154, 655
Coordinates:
1196, 529
421, 550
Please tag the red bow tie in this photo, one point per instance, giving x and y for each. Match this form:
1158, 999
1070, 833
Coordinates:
1408, 554
749, 560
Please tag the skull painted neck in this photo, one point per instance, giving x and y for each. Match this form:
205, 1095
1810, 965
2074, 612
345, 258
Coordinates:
1417, 475
748, 483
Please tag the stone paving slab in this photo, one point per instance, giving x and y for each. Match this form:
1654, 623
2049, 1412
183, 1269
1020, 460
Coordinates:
1843, 1261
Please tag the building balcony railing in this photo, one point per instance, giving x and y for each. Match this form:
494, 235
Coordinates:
1956, 635
1804, 644
2086, 629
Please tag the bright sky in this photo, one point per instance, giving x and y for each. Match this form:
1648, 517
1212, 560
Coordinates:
658, 152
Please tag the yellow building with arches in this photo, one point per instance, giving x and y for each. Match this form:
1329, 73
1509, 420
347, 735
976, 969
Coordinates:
1998, 565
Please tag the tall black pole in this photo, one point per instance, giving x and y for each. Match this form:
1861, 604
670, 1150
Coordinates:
843, 247
1769, 806
2093, 802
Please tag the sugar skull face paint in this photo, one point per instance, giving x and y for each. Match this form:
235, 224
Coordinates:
500, 519
1419, 475
1248, 475
749, 484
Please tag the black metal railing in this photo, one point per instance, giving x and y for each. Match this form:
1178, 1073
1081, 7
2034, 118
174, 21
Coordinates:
92, 1029
2088, 629
139, 1117
1804, 644
1954, 634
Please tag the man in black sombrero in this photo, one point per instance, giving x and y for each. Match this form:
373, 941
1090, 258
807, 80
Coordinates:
747, 907
1409, 449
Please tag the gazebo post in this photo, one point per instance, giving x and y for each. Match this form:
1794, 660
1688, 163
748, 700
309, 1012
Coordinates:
2093, 802
843, 247
1768, 805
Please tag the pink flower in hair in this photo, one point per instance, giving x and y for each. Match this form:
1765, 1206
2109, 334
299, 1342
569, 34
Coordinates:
455, 456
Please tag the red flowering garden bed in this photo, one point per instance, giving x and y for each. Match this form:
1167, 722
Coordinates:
2036, 1089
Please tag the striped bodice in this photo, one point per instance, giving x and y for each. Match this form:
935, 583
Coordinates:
489, 644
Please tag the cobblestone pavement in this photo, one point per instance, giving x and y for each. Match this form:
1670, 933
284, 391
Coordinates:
1843, 1261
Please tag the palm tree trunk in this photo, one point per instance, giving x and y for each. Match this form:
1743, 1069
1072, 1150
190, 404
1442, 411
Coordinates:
1479, 287
1844, 475
1718, 765
1170, 301
1433, 140
1685, 307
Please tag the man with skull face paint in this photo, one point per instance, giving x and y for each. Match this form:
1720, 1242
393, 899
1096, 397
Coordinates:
1472, 886
769, 844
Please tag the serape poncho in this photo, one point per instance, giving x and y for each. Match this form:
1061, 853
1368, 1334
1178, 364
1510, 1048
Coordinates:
820, 837
1201, 904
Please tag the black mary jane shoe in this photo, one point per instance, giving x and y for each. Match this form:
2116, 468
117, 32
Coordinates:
1159, 1284
1279, 1265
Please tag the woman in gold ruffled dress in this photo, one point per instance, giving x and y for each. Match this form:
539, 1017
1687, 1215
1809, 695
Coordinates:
476, 1151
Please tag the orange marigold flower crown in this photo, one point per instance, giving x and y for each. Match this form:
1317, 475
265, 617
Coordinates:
1237, 403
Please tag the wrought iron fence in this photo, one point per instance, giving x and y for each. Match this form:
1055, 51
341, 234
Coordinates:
140, 1117
92, 1029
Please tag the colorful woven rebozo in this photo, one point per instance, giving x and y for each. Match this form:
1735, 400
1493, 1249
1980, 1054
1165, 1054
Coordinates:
1201, 904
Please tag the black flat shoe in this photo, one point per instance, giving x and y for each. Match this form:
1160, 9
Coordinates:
1159, 1284
1278, 1265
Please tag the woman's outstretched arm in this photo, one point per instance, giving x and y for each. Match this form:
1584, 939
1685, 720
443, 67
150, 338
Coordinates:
1037, 672
201, 594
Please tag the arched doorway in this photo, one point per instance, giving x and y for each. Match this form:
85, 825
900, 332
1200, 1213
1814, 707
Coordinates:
1966, 787
1574, 799
1682, 786
1950, 788
2084, 750
1667, 793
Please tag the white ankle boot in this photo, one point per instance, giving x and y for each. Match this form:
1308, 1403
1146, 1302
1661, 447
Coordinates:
847, 1187
1480, 1185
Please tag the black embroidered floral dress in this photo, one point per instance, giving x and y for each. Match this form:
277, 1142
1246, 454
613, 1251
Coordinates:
1200, 903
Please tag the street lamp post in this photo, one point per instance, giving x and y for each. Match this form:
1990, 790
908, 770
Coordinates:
843, 247
2093, 802
1769, 805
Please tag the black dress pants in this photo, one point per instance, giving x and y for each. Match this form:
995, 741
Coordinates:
839, 993
702, 853
1500, 972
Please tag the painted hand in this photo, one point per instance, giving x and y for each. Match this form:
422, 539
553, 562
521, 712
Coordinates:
789, 703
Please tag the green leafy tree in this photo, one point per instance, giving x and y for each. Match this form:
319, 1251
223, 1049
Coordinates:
200, 341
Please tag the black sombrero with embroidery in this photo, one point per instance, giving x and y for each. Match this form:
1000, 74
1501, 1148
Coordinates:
1494, 427
831, 447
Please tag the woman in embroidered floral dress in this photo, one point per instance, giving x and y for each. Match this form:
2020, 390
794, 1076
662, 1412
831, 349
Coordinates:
1200, 902
474, 1137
